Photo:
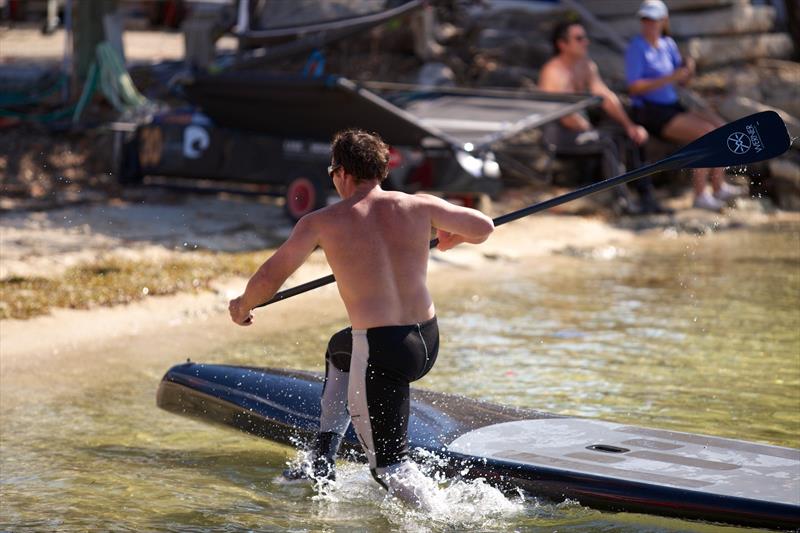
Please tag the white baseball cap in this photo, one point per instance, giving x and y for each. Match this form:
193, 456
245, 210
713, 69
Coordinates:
653, 10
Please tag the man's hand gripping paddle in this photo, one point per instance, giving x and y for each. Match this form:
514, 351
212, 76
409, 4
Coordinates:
748, 140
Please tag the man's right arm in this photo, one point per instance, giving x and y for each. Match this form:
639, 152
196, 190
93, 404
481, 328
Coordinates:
273, 273
613, 107
456, 224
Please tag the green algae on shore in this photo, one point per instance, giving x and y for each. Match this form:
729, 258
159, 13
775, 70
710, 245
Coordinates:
119, 281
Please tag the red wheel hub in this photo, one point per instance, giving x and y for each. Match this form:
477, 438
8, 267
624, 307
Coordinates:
301, 197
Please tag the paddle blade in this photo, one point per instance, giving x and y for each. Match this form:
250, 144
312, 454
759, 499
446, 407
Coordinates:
750, 139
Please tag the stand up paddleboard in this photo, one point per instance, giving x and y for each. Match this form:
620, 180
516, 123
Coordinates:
603, 465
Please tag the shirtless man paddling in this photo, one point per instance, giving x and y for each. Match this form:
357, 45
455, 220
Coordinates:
376, 243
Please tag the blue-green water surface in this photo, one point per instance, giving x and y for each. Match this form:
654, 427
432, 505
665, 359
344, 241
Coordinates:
697, 334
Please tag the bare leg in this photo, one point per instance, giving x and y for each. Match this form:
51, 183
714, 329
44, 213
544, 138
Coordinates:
717, 178
699, 180
685, 128
710, 116
334, 418
717, 174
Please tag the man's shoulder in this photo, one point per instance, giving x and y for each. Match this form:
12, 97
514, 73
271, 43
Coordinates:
552, 65
586, 64
420, 198
318, 218
550, 62
553, 75
417, 204
343, 208
593, 70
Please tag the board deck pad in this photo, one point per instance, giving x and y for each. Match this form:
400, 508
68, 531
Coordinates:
600, 464
711, 464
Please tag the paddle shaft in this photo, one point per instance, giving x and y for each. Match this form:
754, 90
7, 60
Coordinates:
677, 160
671, 162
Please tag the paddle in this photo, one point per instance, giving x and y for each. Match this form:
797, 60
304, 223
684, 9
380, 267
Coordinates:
747, 140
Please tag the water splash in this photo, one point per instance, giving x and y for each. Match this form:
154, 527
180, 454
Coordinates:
450, 503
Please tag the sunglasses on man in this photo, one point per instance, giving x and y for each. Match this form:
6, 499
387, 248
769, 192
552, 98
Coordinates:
332, 169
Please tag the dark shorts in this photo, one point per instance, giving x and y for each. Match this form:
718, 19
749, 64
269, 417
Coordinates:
381, 363
654, 117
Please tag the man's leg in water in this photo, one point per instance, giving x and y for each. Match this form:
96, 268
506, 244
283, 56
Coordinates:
334, 417
384, 361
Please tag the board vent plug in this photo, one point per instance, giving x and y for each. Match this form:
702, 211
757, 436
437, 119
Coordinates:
607, 448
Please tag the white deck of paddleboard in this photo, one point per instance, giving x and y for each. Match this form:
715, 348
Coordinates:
700, 463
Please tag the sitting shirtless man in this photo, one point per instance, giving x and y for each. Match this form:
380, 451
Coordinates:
376, 243
571, 70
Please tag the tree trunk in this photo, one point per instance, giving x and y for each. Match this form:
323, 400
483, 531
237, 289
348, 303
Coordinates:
88, 32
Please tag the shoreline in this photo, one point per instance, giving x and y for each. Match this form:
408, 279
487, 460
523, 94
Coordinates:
72, 331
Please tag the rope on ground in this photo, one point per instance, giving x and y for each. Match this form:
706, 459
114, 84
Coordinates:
32, 96
115, 82
89, 89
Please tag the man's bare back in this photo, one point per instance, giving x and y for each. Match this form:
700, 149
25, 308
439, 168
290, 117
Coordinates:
377, 247
376, 243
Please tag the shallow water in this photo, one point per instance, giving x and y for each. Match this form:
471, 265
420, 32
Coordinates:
698, 334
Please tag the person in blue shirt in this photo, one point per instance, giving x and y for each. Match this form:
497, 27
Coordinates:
654, 67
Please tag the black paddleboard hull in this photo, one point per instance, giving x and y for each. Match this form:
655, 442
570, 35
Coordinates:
283, 406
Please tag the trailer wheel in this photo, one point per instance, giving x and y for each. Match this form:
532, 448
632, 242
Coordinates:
304, 195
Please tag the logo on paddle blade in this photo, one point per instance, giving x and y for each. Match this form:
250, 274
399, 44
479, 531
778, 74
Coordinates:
738, 143
755, 138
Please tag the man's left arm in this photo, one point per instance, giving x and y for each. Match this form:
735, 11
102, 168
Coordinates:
273, 273
613, 107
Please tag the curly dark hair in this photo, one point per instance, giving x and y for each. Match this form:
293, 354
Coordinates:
362, 154
561, 32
